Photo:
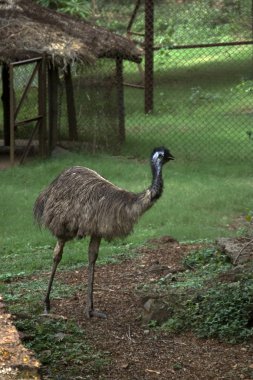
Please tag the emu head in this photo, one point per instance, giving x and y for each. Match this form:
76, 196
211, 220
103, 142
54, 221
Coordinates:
160, 156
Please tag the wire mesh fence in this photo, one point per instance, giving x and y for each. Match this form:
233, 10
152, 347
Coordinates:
26, 107
95, 92
202, 82
193, 91
21, 108
202, 104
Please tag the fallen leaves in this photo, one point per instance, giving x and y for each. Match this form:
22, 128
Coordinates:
153, 371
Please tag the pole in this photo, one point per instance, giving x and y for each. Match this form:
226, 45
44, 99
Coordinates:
149, 55
120, 97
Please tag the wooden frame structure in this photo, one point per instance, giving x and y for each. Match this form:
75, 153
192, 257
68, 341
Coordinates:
12, 110
60, 41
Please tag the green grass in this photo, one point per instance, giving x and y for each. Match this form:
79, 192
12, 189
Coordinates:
199, 202
202, 104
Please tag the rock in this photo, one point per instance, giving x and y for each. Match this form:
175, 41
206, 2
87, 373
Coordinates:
239, 250
156, 310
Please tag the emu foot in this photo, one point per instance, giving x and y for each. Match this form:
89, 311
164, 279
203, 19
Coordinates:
95, 313
46, 307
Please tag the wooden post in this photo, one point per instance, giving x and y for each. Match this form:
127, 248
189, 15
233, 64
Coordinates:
130, 24
251, 18
6, 102
53, 76
149, 55
12, 117
121, 105
42, 107
71, 108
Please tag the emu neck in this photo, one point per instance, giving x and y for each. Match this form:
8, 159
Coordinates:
157, 181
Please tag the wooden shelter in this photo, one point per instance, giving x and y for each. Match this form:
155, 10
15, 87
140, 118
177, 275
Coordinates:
48, 41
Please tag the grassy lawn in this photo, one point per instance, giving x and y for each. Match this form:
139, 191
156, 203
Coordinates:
199, 202
202, 104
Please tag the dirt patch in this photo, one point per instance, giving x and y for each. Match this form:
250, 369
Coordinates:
134, 350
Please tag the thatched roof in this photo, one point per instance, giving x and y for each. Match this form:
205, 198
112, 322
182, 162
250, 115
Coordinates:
28, 30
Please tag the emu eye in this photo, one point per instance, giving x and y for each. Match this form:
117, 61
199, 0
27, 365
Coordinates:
160, 156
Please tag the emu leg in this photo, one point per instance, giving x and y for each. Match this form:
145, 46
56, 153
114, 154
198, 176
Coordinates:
93, 254
58, 250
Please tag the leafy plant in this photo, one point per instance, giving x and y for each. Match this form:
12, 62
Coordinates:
245, 86
213, 309
249, 216
60, 345
207, 256
224, 312
199, 95
79, 8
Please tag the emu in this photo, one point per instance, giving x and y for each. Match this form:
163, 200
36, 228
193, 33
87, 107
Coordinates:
79, 203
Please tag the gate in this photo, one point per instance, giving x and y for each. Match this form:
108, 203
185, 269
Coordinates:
27, 104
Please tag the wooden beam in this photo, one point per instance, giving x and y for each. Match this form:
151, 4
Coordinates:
6, 102
71, 108
12, 117
43, 149
130, 24
121, 105
53, 81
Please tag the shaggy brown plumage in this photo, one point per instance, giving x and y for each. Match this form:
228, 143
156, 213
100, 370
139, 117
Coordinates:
82, 203
79, 203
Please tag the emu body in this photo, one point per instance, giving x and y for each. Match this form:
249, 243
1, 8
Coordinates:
79, 203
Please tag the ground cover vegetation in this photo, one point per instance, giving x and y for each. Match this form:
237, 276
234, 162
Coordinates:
200, 202
215, 295
204, 197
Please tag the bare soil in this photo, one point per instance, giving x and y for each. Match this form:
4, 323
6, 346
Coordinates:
134, 350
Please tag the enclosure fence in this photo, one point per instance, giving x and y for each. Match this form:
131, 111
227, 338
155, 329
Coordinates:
202, 95
192, 92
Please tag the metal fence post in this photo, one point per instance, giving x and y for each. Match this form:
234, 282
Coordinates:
12, 118
120, 93
149, 55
